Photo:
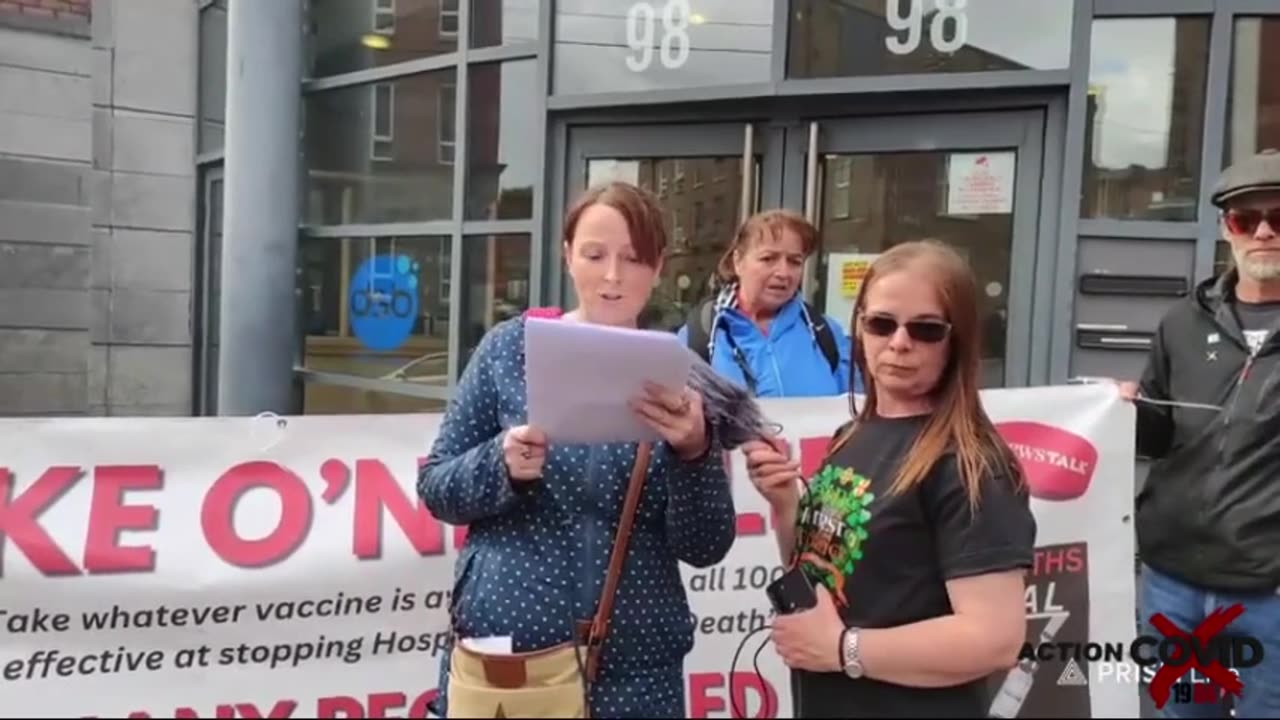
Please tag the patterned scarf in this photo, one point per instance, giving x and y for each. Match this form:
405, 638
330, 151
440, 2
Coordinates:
727, 298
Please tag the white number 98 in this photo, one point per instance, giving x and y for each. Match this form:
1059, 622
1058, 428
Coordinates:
948, 31
642, 20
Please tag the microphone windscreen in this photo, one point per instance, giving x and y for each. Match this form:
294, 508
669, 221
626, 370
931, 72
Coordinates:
729, 407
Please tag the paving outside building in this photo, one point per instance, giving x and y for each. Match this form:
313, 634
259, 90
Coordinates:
1066, 148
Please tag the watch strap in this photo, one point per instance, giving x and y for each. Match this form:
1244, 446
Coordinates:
840, 653
850, 654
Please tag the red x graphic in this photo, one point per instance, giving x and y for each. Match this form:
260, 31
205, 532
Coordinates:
1162, 683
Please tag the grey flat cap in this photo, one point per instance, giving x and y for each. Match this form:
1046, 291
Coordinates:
1258, 172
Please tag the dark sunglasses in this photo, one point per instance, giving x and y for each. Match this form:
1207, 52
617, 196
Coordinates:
1246, 222
926, 331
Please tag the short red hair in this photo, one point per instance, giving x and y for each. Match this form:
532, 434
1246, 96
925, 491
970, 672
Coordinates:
639, 208
771, 223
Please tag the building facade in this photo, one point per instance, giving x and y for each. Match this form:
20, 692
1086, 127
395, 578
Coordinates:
425, 160
97, 206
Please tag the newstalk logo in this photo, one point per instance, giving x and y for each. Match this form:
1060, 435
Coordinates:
1059, 464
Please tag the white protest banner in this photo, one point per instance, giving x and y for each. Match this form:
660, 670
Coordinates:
228, 567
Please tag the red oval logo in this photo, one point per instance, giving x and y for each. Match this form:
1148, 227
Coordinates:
1059, 465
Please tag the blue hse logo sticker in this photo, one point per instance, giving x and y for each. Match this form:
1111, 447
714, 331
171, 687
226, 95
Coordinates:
384, 301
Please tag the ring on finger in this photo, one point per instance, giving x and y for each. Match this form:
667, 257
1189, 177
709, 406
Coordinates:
684, 405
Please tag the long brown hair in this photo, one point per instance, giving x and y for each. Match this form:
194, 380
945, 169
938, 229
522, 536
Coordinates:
958, 424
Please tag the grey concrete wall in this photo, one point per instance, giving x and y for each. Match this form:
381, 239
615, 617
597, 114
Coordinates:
143, 193
46, 151
97, 206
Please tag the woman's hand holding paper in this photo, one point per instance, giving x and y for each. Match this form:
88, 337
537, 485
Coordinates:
677, 416
524, 449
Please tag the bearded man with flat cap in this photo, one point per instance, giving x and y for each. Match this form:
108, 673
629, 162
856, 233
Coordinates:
1208, 515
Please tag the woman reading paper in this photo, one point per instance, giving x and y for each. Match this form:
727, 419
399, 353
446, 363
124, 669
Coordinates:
544, 519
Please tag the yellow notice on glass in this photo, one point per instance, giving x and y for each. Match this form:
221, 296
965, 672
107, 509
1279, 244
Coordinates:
845, 274
852, 273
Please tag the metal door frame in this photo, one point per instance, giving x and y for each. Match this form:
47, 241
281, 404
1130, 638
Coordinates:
206, 398
1023, 131
660, 140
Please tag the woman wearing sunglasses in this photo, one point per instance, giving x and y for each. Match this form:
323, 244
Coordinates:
917, 530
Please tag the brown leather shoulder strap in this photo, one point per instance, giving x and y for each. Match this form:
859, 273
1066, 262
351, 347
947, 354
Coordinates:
600, 625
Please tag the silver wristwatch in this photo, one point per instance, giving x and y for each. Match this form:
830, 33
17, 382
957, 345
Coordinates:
850, 656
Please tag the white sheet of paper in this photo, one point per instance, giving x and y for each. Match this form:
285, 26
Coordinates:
581, 377
497, 645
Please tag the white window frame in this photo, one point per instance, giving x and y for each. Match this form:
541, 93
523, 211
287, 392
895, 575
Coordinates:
384, 11
449, 8
444, 278
840, 200
441, 141
389, 137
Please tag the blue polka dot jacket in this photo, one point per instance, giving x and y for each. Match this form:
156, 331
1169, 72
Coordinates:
537, 554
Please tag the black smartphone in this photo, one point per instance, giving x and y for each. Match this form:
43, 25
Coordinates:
792, 592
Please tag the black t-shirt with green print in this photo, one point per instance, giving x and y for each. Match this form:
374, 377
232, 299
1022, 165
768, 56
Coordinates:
887, 558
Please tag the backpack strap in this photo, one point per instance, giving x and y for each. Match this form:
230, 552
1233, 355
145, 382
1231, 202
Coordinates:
598, 628
824, 335
698, 323
549, 313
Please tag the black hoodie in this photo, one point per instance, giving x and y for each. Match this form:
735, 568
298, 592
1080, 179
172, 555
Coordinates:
1209, 512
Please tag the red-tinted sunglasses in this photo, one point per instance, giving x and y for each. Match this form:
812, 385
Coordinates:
926, 331
1245, 222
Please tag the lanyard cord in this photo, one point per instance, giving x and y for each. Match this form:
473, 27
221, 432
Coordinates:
1144, 399
741, 359
1176, 403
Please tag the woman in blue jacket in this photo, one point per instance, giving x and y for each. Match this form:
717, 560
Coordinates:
542, 517
758, 330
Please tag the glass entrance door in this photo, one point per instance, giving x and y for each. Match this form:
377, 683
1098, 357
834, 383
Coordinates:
971, 180
708, 177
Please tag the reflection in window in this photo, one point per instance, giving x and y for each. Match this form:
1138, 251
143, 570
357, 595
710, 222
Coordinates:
843, 38
446, 123
659, 44
383, 136
213, 77
1253, 107
504, 22
869, 203
1145, 118
377, 307
384, 17
350, 35
378, 153
1222, 258
502, 144
495, 280
449, 18
323, 399
702, 218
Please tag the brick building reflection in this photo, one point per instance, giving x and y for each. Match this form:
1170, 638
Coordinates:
384, 152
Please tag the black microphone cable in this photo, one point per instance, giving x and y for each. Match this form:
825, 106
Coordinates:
755, 665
